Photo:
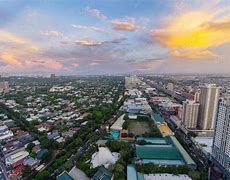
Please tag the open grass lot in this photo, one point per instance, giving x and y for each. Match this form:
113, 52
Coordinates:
138, 127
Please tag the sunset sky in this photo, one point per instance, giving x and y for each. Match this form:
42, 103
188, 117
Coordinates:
114, 36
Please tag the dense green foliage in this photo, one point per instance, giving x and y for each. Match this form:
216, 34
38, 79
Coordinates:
126, 153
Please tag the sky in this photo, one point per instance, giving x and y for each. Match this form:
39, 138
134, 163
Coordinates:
89, 37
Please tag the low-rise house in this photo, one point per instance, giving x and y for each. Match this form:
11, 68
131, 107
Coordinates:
31, 162
5, 133
16, 158
36, 148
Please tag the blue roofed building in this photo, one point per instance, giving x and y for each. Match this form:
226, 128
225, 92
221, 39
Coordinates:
41, 153
103, 174
64, 176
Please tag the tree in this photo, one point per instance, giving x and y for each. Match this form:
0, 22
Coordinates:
125, 125
43, 175
142, 142
30, 146
126, 117
46, 157
26, 171
195, 175
119, 172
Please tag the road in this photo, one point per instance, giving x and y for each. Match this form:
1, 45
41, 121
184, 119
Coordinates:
192, 148
3, 171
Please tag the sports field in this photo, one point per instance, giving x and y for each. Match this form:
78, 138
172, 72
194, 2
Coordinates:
138, 127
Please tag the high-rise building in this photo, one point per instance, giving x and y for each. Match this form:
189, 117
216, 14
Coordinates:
170, 86
4, 86
221, 141
131, 82
190, 114
52, 76
180, 112
197, 96
208, 100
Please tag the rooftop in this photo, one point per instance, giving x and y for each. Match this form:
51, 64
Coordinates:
153, 140
164, 152
102, 174
131, 173
157, 118
64, 176
118, 123
184, 154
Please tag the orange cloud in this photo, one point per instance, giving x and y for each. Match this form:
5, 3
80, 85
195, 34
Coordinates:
196, 30
18, 51
125, 26
193, 54
10, 59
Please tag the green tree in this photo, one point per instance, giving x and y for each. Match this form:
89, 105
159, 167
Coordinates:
195, 175
30, 146
26, 171
46, 157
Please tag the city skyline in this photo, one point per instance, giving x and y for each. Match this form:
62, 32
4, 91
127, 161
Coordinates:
116, 37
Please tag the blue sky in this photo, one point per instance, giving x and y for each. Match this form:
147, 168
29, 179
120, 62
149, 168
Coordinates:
115, 36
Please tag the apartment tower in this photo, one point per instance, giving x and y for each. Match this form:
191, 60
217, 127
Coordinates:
190, 114
208, 100
221, 141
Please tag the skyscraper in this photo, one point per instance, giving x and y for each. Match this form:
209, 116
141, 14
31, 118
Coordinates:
131, 82
4, 86
190, 114
170, 86
197, 96
208, 100
221, 142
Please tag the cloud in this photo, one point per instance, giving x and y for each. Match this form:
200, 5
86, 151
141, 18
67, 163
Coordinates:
18, 53
197, 30
9, 37
125, 25
76, 65
94, 64
193, 54
46, 63
64, 41
88, 43
91, 28
51, 33
10, 59
96, 13
98, 43
14, 48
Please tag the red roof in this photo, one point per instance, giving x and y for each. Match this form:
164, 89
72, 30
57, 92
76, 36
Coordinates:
17, 171
18, 163
39, 126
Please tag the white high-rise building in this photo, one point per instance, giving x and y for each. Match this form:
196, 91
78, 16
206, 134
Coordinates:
190, 114
221, 142
131, 82
197, 96
4, 86
170, 86
208, 100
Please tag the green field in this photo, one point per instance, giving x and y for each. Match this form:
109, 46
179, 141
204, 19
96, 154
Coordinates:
138, 127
